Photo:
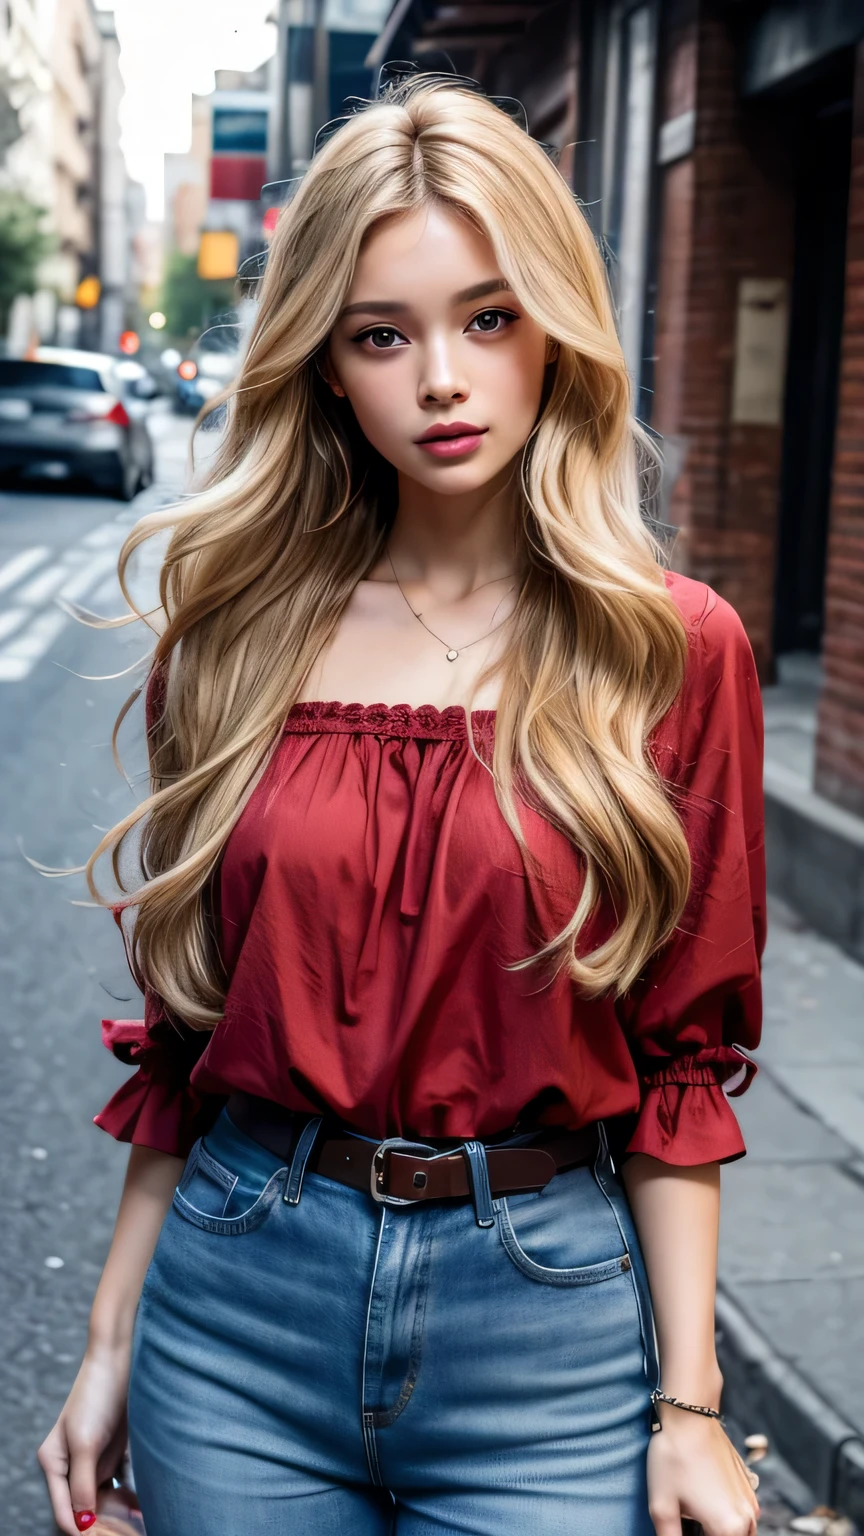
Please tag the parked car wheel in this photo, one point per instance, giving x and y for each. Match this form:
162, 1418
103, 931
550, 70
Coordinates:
128, 485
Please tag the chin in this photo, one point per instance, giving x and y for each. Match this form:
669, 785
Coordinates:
456, 479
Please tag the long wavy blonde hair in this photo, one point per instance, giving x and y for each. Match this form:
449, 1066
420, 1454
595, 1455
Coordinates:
262, 561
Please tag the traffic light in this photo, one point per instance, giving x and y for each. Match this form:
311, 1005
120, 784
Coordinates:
88, 293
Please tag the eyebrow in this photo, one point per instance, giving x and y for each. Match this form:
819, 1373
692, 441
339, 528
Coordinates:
398, 307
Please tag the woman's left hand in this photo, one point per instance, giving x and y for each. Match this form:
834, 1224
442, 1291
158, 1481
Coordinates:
694, 1470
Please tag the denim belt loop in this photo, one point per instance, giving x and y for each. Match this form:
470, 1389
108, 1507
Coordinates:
604, 1154
302, 1151
478, 1178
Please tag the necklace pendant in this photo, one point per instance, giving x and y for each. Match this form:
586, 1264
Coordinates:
452, 655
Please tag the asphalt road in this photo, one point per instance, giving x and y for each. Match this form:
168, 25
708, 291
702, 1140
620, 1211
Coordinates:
63, 966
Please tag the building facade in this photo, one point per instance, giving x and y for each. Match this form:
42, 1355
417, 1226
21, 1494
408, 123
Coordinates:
60, 93
26, 158
114, 205
717, 146
216, 185
321, 59
76, 56
187, 183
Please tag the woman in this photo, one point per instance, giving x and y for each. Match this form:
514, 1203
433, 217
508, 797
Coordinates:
441, 991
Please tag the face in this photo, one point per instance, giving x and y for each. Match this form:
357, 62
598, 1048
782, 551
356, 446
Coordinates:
442, 365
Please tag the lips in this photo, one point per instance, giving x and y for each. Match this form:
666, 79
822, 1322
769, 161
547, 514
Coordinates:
451, 439
444, 430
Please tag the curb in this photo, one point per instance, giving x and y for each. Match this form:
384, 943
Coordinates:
815, 858
762, 1389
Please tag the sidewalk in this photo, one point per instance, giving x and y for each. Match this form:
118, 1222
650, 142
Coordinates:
815, 848
790, 1307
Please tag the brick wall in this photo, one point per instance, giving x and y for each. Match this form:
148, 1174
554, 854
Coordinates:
726, 212
840, 741
677, 87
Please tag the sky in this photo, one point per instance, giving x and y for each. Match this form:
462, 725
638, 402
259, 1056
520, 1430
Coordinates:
168, 50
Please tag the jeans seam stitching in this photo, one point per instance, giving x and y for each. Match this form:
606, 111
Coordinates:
228, 1196
221, 1174
367, 1416
388, 1417
229, 1220
640, 1311
588, 1274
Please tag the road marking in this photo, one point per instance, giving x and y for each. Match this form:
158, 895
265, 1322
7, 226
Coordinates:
106, 533
19, 656
11, 619
79, 584
108, 595
21, 565
89, 564
43, 586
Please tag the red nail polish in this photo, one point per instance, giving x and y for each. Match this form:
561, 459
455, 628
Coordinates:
84, 1518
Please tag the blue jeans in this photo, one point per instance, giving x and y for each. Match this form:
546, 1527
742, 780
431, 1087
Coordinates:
326, 1366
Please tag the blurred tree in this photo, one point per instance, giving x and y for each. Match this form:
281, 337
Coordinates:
190, 303
23, 245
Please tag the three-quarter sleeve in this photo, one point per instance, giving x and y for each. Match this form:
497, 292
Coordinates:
697, 1009
157, 1106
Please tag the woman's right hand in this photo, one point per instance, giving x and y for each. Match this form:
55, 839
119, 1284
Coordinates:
87, 1443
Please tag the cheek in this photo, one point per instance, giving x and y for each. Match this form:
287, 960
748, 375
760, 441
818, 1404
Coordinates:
378, 396
513, 385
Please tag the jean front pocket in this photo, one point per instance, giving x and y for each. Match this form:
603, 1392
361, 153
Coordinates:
565, 1235
226, 1200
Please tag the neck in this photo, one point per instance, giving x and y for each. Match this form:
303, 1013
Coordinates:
455, 543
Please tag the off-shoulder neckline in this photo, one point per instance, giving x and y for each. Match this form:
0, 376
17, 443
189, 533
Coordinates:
404, 720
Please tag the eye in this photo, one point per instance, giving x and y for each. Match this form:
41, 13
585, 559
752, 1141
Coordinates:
487, 320
382, 337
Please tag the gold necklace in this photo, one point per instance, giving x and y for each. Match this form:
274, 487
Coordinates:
452, 653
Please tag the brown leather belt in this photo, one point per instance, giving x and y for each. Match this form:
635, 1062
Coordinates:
411, 1172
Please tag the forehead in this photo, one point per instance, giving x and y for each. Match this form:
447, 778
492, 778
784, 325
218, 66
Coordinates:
410, 250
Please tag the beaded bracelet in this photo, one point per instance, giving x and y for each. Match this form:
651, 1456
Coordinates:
663, 1397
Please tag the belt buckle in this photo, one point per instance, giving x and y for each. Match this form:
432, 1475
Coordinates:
376, 1177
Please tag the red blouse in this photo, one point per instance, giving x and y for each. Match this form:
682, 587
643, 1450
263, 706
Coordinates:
371, 897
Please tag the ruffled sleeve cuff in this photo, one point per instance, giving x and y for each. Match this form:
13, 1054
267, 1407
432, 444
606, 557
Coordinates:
685, 1117
157, 1107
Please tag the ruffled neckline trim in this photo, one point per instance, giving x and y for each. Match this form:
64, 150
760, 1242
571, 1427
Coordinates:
424, 722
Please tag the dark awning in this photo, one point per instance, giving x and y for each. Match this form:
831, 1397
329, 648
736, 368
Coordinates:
792, 36
460, 29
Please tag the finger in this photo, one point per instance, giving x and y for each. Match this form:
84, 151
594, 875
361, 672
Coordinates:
667, 1522
82, 1485
110, 1462
54, 1462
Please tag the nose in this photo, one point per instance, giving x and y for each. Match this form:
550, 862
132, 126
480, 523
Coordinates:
442, 378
